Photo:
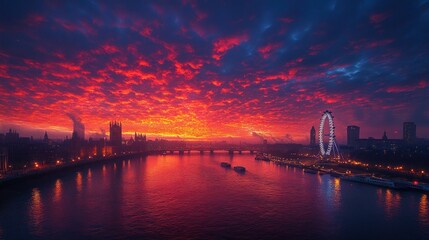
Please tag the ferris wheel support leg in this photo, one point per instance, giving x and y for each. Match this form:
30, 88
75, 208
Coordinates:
338, 151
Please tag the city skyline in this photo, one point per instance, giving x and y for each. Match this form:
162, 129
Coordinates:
115, 132
190, 70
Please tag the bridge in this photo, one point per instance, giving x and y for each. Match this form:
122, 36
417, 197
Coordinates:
203, 150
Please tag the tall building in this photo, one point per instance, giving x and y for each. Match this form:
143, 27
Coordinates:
312, 136
409, 131
352, 135
384, 138
45, 138
3, 159
11, 137
115, 134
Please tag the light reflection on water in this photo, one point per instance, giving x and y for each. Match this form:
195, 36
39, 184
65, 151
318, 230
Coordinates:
191, 196
57, 190
391, 202
424, 210
337, 193
36, 213
79, 181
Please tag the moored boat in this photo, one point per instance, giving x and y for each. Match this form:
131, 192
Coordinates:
225, 165
309, 170
334, 173
381, 182
239, 169
418, 186
262, 157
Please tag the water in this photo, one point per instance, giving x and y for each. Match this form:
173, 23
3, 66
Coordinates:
192, 196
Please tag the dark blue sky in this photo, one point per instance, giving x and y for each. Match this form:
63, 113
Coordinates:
210, 69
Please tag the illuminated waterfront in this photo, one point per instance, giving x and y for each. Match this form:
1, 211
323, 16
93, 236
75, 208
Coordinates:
192, 196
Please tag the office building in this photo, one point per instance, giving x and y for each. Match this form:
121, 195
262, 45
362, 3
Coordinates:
352, 135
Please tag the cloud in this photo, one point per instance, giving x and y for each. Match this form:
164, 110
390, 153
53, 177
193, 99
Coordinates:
407, 88
207, 70
223, 45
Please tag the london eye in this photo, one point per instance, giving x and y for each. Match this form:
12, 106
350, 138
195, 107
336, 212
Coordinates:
331, 135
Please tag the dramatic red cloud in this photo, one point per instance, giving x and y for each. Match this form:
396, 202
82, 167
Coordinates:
109, 49
203, 70
221, 46
268, 49
216, 83
397, 89
81, 26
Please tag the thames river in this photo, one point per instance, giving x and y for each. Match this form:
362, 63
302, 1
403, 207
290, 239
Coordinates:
193, 197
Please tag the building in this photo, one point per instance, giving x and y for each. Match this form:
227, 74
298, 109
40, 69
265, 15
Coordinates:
138, 144
312, 136
115, 134
11, 137
45, 138
409, 132
3, 159
352, 135
379, 144
384, 138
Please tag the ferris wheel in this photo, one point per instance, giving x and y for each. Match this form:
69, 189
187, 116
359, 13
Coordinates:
331, 135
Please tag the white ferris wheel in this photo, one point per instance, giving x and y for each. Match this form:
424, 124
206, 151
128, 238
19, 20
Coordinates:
331, 144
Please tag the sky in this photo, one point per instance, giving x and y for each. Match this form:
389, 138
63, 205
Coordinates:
208, 70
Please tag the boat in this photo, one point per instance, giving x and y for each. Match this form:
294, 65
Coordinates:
421, 187
334, 173
381, 182
225, 165
399, 183
414, 185
262, 157
309, 170
239, 169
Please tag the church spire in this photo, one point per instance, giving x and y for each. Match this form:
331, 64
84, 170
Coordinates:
384, 136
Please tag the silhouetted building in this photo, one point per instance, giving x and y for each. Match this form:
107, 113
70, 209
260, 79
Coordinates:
352, 135
288, 148
11, 137
115, 134
379, 144
139, 137
384, 138
3, 159
409, 132
312, 136
45, 138
138, 144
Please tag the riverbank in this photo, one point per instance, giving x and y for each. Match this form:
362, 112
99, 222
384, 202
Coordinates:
350, 172
20, 175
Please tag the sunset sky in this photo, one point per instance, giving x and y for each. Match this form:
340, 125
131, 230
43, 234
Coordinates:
214, 69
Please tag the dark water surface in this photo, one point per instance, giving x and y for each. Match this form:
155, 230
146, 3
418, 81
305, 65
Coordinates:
191, 196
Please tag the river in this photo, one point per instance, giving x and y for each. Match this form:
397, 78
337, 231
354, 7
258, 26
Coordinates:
193, 197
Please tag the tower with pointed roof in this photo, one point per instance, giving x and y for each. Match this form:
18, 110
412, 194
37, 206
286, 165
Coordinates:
115, 133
